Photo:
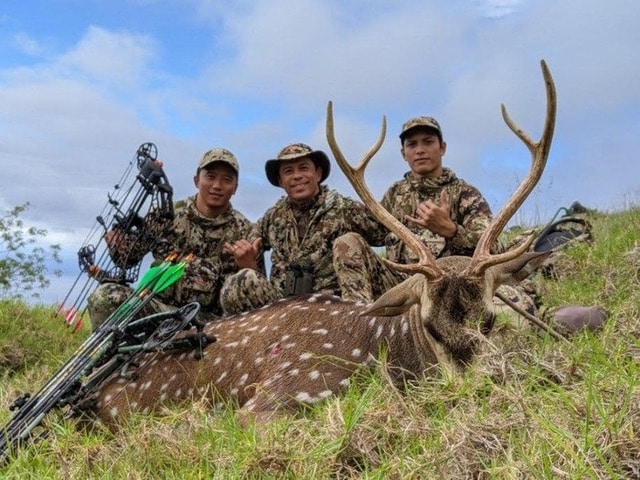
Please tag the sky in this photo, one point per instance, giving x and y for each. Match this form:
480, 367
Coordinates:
83, 83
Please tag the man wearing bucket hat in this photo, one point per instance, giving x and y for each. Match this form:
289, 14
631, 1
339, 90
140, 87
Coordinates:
299, 230
202, 225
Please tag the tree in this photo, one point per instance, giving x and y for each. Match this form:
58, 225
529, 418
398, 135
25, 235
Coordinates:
23, 261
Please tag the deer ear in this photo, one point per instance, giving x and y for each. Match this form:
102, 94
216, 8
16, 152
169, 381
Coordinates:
519, 268
394, 301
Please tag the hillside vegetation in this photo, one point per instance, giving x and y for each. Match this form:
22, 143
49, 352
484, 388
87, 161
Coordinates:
528, 407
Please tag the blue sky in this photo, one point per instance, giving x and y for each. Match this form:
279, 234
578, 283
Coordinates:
84, 82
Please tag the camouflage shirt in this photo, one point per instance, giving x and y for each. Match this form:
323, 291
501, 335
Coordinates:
304, 235
191, 232
469, 210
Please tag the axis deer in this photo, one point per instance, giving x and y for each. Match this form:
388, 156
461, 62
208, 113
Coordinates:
305, 349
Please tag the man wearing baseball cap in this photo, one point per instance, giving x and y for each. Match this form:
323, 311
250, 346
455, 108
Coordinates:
202, 225
446, 213
300, 231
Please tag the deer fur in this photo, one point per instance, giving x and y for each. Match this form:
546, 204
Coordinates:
305, 349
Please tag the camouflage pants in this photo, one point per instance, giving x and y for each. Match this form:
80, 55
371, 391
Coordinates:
519, 295
109, 296
246, 290
362, 275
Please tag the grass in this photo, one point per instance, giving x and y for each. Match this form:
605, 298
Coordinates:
528, 407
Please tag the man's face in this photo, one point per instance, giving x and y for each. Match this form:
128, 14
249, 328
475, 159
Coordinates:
216, 185
300, 179
423, 151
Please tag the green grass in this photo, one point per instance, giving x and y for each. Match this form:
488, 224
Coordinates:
528, 407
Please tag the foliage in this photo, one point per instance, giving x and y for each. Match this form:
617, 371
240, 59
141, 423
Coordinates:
528, 407
23, 262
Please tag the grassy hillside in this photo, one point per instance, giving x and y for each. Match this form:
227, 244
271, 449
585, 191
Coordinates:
529, 406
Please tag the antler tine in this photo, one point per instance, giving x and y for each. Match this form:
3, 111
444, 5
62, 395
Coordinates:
426, 263
482, 259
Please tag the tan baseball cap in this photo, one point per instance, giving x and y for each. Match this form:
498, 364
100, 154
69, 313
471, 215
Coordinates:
424, 122
219, 155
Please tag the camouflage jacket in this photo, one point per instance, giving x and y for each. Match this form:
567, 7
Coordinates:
189, 231
469, 210
327, 217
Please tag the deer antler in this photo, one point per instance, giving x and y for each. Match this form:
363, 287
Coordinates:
482, 258
426, 262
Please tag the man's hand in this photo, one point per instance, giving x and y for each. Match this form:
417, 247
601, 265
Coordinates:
244, 252
435, 218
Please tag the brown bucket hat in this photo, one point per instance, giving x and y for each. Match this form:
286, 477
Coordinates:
295, 151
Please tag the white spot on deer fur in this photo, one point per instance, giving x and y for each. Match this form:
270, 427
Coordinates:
121, 380
289, 345
145, 411
314, 374
234, 391
285, 365
405, 327
173, 377
325, 393
217, 360
243, 379
232, 344
327, 346
320, 331
304, 397
146, 385
273, 379
164, 386
258, 360
379, 331
221, 377
154, 362
393, 331
252, 329
183, 356
303, 329
345, 383
294, 372
356, 352
113, 412
178, 393
284, 314
134, 404
163, 397
312, 299
305, 356
335, 312
108, 398
285, 338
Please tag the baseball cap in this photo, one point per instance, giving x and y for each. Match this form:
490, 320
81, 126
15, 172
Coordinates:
219, 155
424, 122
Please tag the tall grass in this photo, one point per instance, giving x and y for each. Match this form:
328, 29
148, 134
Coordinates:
528, 407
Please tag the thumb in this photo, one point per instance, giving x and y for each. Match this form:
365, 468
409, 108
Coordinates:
257, 243
444, 200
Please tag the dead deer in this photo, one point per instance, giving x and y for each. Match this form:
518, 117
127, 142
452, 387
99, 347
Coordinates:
305, 349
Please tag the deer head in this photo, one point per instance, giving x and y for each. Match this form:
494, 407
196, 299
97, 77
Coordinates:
305, 349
